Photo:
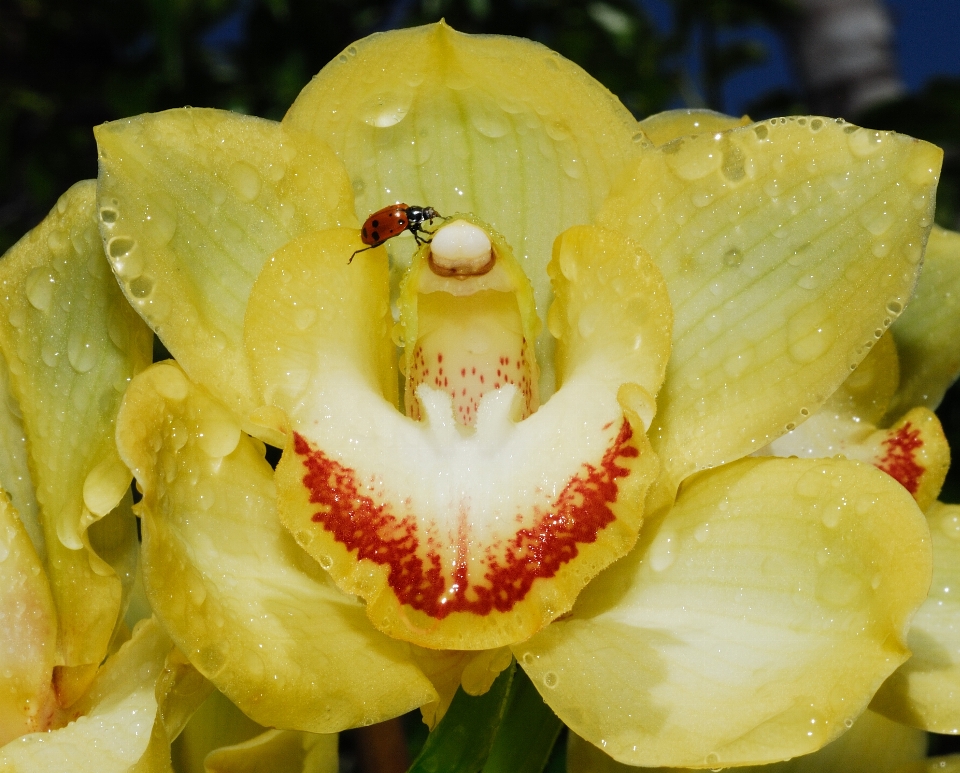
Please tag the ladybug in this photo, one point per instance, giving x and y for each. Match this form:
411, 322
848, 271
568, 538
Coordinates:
392, 221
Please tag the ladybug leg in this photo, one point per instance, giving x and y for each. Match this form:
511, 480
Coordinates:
362, 249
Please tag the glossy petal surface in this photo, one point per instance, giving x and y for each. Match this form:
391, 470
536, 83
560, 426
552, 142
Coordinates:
927, 331
500, 127
113, 722
191, 204
752, 622
787, 247
669, 125
459, 541
925, 691
873, 745
254, 613
71, 344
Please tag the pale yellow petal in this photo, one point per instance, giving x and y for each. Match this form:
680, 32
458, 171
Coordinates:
254, 613
14, 463
497, 126
111, 726
289, 751
667, 126
873, 745
191, 204
788, 247
925, 691
752, 622
72, 343
927, 331
28, 632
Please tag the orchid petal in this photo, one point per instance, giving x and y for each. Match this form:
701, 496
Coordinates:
925, 691
497, 126
788, 247
28, 632
113, 722
254, 613
756, 619
872, 745
926, 333
191, 203
71, 344
458, 541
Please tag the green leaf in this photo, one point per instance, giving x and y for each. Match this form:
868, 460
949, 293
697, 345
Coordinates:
465, 736
526, 736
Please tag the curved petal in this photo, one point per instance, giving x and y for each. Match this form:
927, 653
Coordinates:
288, 750
873, 745
28, 632
72, 343
14, 463
192, 201
948, 764
497, 126
457, 540
788, 247
667, 126
926, 333
759, 616
112, 724
252, 612
925, 691
914, 451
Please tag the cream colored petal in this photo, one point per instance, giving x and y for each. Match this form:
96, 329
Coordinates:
497, 126
28, 632
873, 745
191, 204
788, 247
752, 622
667, 126
72, 343
110, 728
253, 612
926, 333
925, 691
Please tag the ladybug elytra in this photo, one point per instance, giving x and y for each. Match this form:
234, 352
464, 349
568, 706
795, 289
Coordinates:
392, 221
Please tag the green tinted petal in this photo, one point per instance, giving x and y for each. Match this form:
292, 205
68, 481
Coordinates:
925, 691
664, 127
927, 331
72, 343
788, 247
254, 613
949, 764
14, 465
28, 632
191, 203
500, 127
216, 723
289, 751
110, 728
873, 745
759, 616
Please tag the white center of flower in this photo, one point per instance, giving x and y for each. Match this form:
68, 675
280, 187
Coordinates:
461, 249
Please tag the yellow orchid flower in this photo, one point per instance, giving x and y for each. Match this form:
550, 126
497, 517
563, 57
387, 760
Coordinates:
78, 692
621, 319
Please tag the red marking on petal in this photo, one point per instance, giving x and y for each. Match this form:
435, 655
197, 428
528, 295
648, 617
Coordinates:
576, 516
900, 462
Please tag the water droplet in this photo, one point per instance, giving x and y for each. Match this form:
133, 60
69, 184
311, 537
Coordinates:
49, 353
702, 198
877, 223
807, 282
587, 323
808, 342
304, 318
527, 658
108, 215
39, 287
702, 532
326, 563
245, 180
386, 110
733, 257
210, 660
140, 287
950, 525
490, 122
848, 723
57, 240
80, 352
733, 167
125, 257
161, 225
816, 124
692, 160
571, 165
895, 308
735, 365
837, 587
662, 551
876, 580
120, 246
169, 382
550, 680
712, 760
865, 142
761, 132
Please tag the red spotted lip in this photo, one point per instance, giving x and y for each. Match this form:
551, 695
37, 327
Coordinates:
576, 516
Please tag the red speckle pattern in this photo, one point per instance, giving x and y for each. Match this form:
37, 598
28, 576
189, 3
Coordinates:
470, 378
900, 462
576, 516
